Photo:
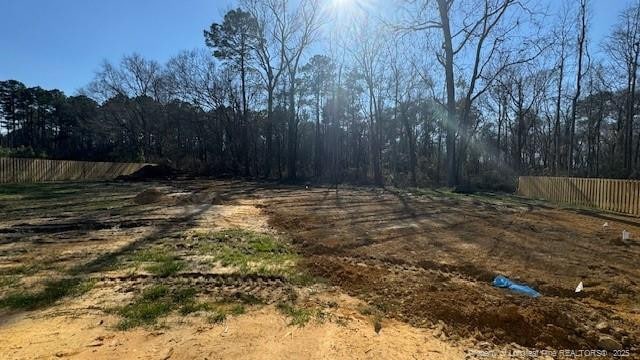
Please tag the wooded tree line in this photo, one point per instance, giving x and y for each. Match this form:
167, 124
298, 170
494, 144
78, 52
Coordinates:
437, 92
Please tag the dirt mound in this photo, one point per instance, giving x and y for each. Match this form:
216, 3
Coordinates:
472, 309
149, 196
202, 197
151, 172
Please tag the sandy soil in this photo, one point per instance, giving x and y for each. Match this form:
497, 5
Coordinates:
261, 334
423, 261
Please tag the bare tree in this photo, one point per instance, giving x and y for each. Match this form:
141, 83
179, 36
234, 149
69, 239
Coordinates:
274, 32
623, 47
561, 35
135, 81
582, 35
482, 36
366, 47
526, 86
194, 77
303, 24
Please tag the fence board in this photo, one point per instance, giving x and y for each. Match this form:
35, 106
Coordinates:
24, 170
621, 196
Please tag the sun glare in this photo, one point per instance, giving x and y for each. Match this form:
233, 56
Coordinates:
344, 10
342, 3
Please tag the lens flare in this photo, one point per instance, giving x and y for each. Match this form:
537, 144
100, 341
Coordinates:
350, 6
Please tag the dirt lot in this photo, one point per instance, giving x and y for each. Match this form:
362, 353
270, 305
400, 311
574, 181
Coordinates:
227, 269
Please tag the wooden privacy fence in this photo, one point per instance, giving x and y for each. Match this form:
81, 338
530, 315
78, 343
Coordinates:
622, 196
19, 170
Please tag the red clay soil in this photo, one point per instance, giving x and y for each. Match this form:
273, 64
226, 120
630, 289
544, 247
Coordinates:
430, 258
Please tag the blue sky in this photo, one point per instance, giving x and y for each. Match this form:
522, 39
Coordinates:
60, 43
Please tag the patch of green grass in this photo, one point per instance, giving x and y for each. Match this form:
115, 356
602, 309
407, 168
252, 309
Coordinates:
159, 301
248, 251
194, 306
9, 280
299, 316
216, 318
150, 255
246, 240
228, 308
377, 312
21, 270
186, 297
158, 261
183, 295
230, 256
154, 302
382, 307
142, 313
155, 292
166, 268
84, 287
52, 292
365, 310
218, 312
237, 309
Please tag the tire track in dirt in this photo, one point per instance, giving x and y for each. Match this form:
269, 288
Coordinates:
396, 265
268, 289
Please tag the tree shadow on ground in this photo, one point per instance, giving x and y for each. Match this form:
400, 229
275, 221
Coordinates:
77, 280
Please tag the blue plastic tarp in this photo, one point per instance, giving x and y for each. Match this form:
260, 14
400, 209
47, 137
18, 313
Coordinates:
503, 282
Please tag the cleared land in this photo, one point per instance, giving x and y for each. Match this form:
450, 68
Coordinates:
226, 268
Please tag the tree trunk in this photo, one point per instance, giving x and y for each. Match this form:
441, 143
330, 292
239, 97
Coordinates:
451, 126
556, 130
292, 141
269, 134
412, 147
245, 123
576, 96
318, 141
